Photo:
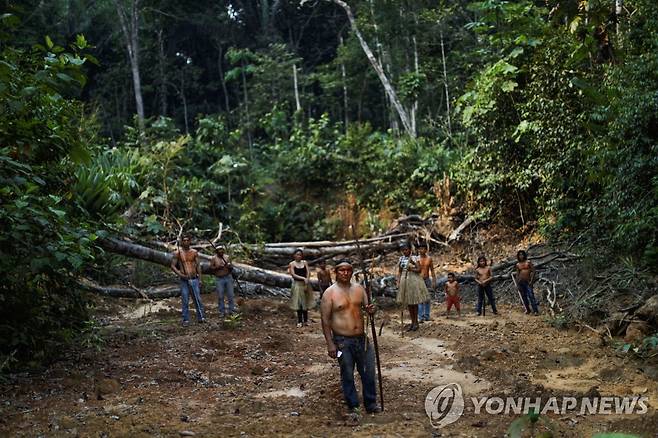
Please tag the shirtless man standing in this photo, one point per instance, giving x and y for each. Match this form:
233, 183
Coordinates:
525, 276
185, 264
221, 265
426, 268
483, 277
343, 327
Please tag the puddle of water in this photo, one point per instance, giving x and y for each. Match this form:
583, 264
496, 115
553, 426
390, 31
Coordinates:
146, 309
292, 392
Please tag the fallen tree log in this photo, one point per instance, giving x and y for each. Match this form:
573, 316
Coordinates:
173, 290
243, 272
544, 259
287, 252
329, 243
457, 232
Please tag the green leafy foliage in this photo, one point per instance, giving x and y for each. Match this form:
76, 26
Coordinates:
45, 239
559, 133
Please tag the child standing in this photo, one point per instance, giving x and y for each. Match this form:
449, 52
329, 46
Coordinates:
483, 278
452, 294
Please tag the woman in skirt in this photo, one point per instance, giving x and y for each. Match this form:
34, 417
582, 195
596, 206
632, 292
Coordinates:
301, 294
411, 287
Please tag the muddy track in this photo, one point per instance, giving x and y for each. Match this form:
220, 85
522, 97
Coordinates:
266, 377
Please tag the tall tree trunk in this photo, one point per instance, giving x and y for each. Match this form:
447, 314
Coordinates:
184, 99
402, 113
414, 106
382, 59
619, 4
220, 66
393, 117
445, 84
246, 110
163, 77
264, 15
294, 80
344, 78
130, 28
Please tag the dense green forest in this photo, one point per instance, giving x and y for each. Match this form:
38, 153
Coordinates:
132, 116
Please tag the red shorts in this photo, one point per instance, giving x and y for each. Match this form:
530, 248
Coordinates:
452, 300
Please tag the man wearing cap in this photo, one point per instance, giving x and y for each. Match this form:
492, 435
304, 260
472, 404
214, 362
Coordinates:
222, 267
344, 331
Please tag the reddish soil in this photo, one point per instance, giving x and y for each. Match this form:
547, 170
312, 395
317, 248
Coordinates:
153, 377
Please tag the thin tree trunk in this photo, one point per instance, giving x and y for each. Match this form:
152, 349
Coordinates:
130, 28
393, 118
414, 106
184, 99
220, 66
265, 14
619, 4
246, 110
382, 60
344, 78
402, 113
163, 77
445, 84
294, 80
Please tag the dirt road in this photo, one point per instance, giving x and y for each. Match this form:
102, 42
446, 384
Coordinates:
153, 377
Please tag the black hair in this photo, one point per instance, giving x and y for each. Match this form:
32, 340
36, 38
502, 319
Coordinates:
522, 253
452, 273
298, 250
482, 257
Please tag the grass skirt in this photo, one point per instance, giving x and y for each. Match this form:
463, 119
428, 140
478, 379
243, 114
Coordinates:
412, 289
301, 296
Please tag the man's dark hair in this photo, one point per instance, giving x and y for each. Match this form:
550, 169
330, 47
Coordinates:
300, 250
522, 253
451, 274
405, 245
186, 236
341, 261
482, 257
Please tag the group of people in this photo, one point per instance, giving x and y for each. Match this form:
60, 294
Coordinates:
345, 305
415, 280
